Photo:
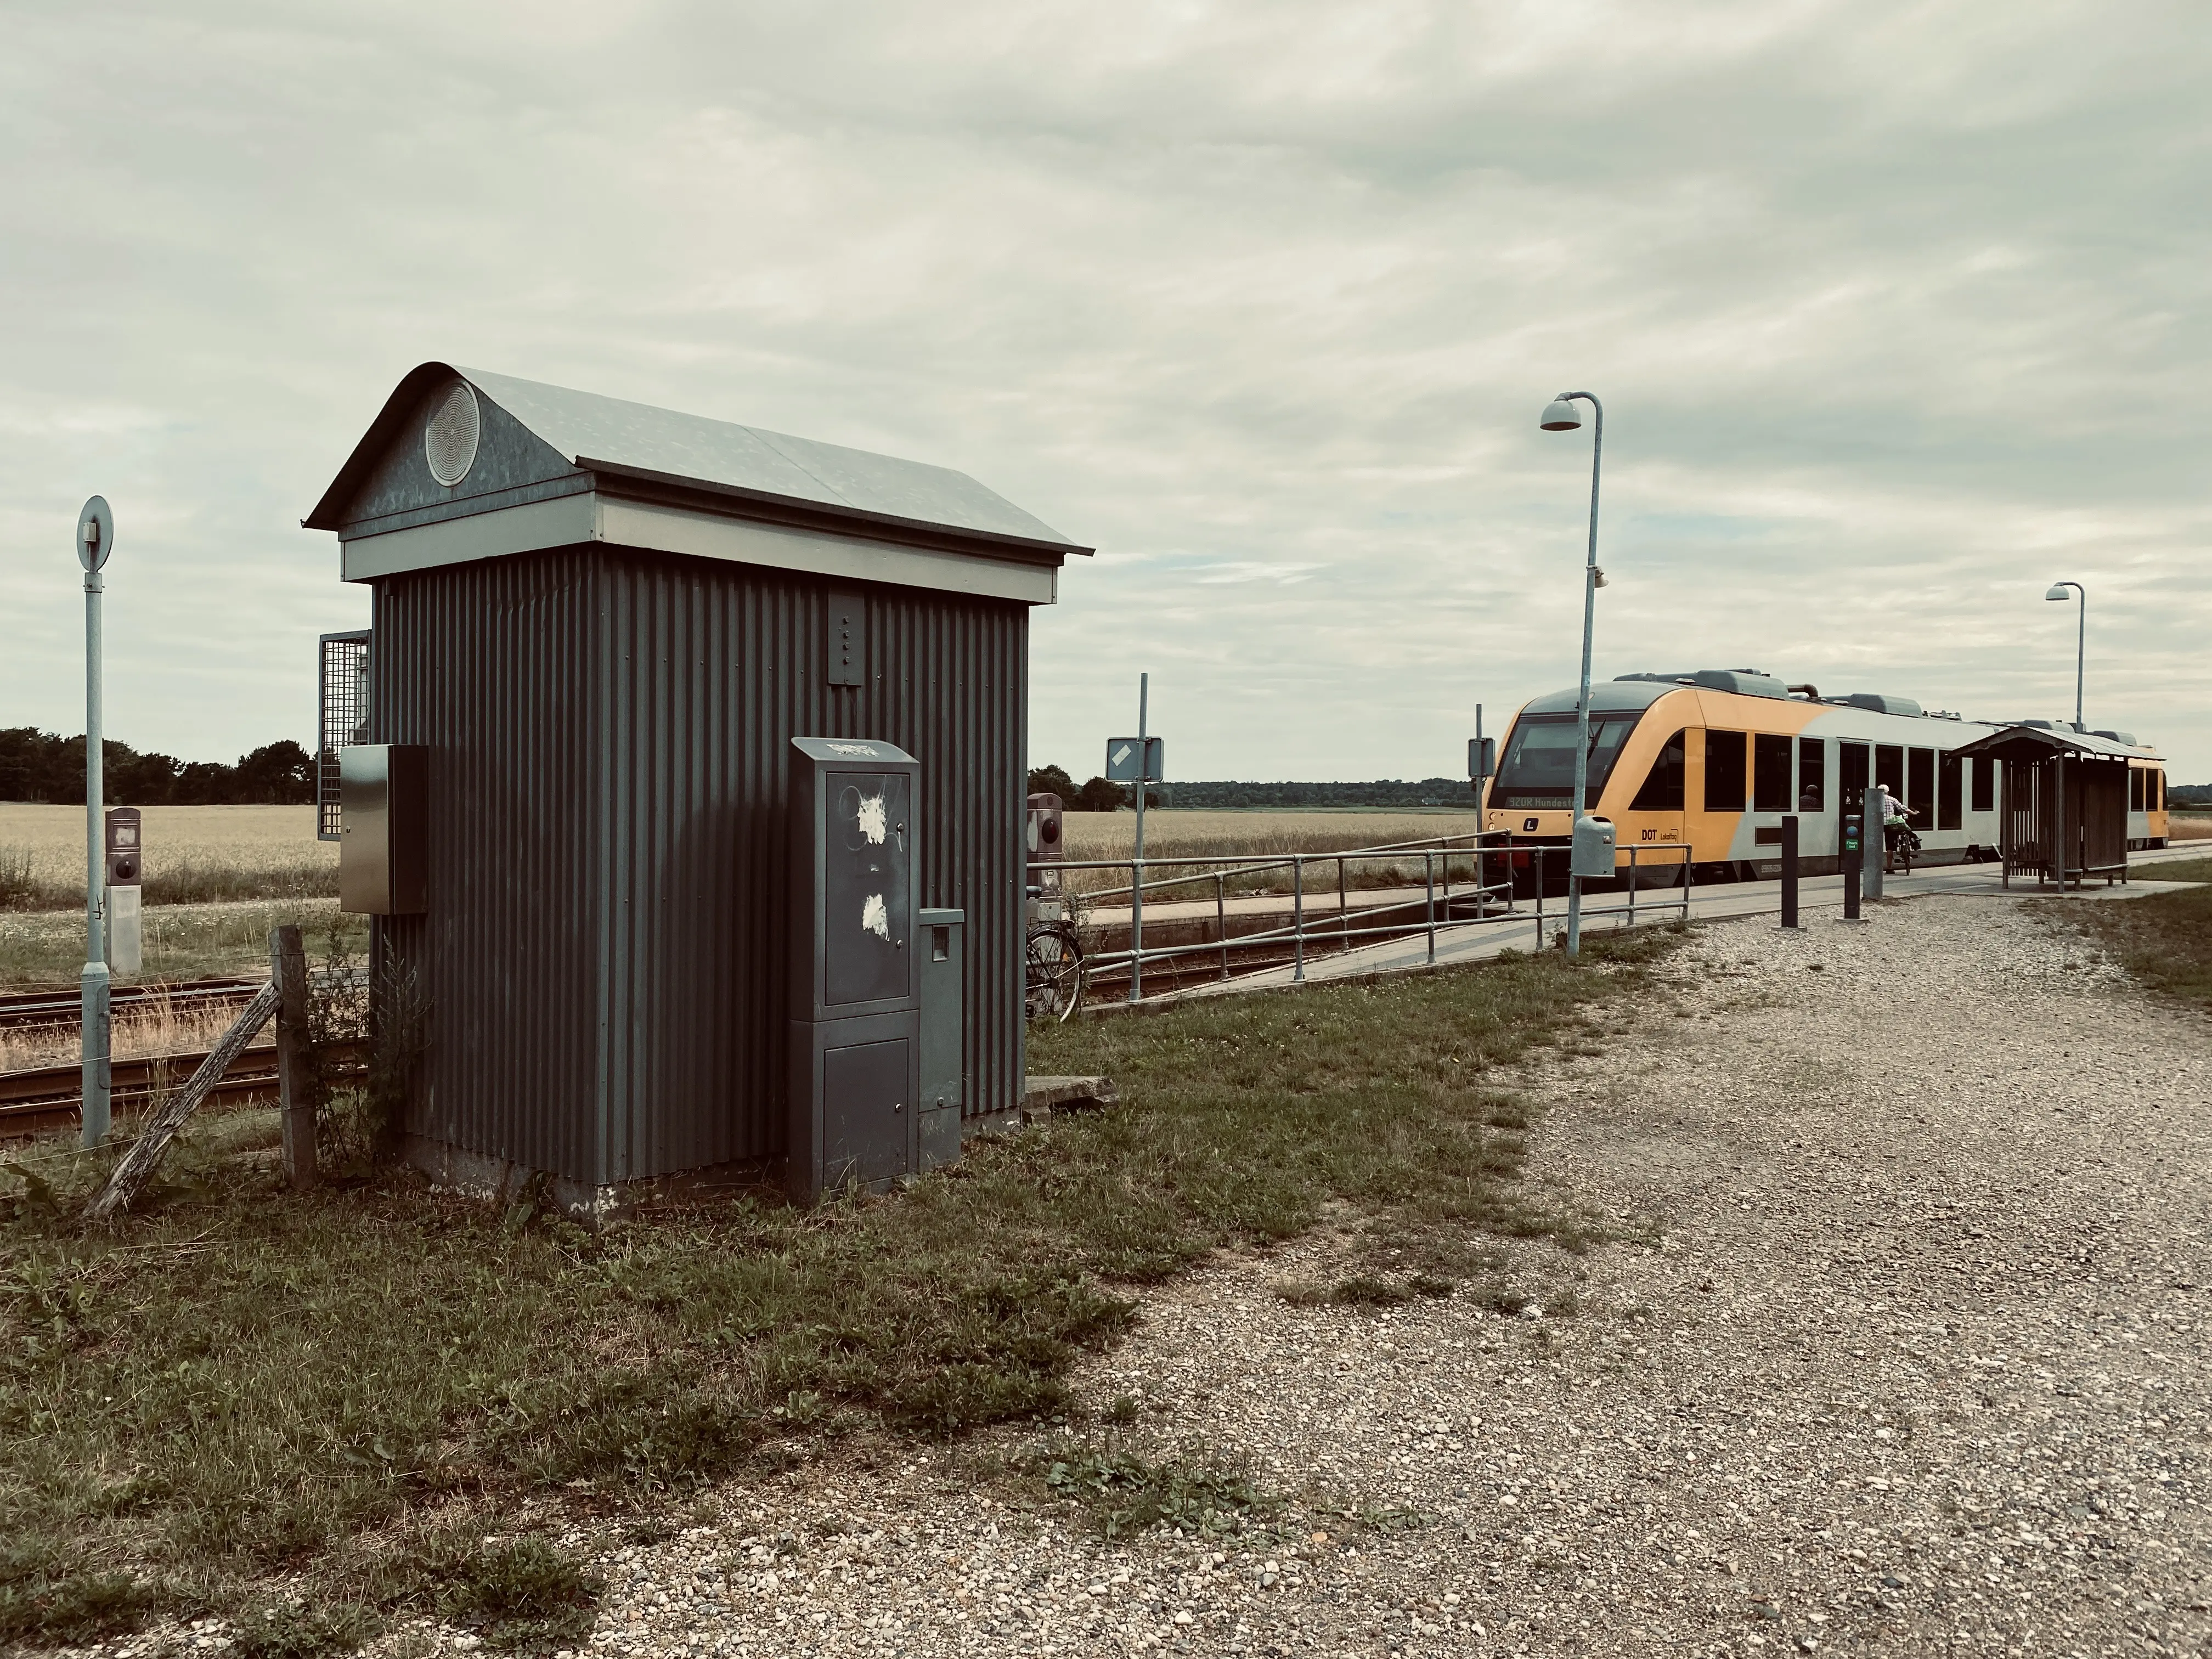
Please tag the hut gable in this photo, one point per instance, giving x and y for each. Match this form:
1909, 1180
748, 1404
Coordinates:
457, 448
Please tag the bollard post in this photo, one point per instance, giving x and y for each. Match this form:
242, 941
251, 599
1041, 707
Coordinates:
1790, 871
1854, 857
1873, 844
1298, 914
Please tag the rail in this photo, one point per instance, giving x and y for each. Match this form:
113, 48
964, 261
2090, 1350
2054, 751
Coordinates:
1491, 895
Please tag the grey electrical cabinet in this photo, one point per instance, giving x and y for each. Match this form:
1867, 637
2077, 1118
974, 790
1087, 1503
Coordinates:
855, 1048
944, 1016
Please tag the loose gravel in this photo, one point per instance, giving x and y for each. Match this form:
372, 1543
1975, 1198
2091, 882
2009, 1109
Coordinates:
1898, 1346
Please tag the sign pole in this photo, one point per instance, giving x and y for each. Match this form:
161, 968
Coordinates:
95, 539
1137, 869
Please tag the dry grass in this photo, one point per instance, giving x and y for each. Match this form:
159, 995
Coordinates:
158, 1029
193, 853
1170, 834
2178, 828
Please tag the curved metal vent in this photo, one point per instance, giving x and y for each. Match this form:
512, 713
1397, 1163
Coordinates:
449, 443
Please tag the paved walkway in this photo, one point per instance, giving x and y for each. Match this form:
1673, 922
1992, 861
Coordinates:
1820, 899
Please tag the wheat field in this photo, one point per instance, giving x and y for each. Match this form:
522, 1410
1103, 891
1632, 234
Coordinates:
192, 854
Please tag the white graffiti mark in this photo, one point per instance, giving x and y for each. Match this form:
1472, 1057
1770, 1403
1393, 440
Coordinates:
864, 749
875, 917
872, 818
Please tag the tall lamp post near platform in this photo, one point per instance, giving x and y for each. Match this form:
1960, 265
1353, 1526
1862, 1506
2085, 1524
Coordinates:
1561, 415
2080, 640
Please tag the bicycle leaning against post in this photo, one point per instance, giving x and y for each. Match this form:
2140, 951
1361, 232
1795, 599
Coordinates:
1053, 984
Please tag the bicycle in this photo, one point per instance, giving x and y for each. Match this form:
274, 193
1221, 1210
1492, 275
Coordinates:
1053, 987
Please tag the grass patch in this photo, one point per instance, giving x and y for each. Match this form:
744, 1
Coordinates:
2164, 940
2177, 870
241, 1381
1126, 1494
182, 942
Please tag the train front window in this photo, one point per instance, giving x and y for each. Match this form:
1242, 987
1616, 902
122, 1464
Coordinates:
1661, 789
1539, 768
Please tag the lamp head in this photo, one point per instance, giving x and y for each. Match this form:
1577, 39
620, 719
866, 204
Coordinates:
1560, 415
2058, 592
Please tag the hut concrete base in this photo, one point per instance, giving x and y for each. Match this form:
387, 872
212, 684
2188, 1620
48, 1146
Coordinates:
500, 1181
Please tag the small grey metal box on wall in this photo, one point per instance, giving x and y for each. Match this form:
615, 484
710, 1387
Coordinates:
855, 1053
944, 1018
384, 858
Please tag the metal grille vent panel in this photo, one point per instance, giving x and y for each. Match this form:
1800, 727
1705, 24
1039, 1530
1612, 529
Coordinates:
342, 718
449, 443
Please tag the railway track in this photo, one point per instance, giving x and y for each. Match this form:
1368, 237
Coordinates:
47, 1098
55, 1009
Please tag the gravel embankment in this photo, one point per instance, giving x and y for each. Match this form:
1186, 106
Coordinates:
1916, 1365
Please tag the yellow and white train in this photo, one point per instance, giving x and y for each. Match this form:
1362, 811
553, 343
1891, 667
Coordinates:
1714, 758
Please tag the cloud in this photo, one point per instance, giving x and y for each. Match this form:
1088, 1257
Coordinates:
1897, 313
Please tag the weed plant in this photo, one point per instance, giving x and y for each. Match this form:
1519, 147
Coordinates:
344, 1386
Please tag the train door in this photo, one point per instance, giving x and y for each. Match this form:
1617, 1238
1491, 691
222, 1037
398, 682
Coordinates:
1851, 778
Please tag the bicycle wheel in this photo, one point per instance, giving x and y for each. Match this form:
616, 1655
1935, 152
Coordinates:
1055, 977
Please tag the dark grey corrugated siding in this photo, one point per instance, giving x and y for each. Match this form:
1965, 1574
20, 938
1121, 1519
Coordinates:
608, 896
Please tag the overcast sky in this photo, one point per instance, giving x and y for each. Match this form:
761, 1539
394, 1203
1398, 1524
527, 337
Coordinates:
1897, 312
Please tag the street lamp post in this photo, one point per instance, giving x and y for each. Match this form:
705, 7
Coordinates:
1561, 415
2080, 640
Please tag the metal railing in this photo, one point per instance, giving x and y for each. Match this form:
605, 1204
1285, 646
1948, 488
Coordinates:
1441, 906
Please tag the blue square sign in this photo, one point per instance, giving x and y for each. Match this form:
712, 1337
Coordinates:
1133, 760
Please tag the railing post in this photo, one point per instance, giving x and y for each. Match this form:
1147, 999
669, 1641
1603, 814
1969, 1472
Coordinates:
1343, 905
1299, 912
1429, 877
1631, 883
1136, 925
1536, 863
1221, 919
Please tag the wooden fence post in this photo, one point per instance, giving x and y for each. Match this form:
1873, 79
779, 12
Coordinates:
288, 973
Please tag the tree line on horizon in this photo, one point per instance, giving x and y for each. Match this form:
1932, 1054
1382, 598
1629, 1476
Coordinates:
45, 766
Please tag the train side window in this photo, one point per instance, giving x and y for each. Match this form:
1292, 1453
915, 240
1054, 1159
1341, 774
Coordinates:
1889, 770
1920, 784
1947, 791
1811, 774
1726, 766
1770, 773
1662, 791
1985, 784
2137, 778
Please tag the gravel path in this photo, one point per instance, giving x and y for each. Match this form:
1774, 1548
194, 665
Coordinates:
1910, 1359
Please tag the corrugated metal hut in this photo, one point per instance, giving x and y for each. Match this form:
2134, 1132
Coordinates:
605, 621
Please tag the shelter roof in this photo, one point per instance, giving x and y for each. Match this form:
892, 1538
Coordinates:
2041, 742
